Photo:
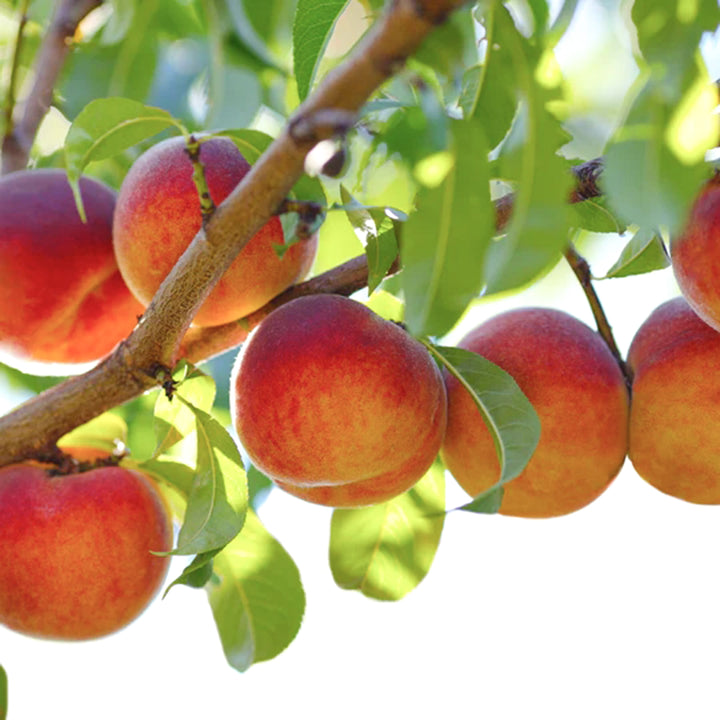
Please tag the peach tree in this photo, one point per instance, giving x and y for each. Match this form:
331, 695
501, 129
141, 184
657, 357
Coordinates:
436, 151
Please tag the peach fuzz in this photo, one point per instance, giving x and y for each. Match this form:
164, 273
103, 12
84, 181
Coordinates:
62, 299
579, 392
675, 415
77, 549
337, 405
696, 255
158, 215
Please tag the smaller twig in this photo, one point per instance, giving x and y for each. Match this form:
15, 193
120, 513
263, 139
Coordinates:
50, 61
582, 271
12, 80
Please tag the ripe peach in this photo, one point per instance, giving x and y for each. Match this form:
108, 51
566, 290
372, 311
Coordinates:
337, 405
696, 257
77, 561
158, 215
578, 390
62, 299
675, 415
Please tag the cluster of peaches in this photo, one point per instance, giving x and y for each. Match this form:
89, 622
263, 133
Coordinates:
335, 404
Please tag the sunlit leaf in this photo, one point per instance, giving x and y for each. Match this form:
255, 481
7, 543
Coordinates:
508, 415
106, 432
3, 693
177, 474
256, 596
445, 239
197, 574
107, 126
218, 500
375, 228
592, 215
314, 23
489, 91
385, 550
644, 252
173, 419
537, 231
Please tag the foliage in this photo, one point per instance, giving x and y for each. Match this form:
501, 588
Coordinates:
464, 122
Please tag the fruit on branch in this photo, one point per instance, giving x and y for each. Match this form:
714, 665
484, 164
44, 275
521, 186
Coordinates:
675, 414
337, 405
695, 256
62, 299
579, 392
158, 214
77, 561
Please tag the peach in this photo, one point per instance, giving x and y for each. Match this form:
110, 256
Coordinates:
62, 299
337, 405
696, 255
158, 215
579, 392
77, 561
675, 413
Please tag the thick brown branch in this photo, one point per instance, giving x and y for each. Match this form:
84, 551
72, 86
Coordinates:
156, 340
50, 62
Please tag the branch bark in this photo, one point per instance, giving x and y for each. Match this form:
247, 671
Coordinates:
53, 52
34, 427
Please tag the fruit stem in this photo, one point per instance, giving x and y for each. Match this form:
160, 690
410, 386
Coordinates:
207, 206
581, 268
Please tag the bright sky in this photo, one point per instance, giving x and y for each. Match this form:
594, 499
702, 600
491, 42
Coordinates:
610, 612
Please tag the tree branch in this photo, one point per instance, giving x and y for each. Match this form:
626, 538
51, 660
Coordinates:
54, 50
36, 426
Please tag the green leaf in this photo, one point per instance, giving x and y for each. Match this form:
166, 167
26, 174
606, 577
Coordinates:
445, 239
259, 485
314, 23
489, 91
253, 143
644, 252
177, 474
256, 596
107, 126
592, 215
375, 227
3, 693
105, 432
385, 550
218, 500
173, 420
537, 231
197, 574
508, 414
655, 164
242, 14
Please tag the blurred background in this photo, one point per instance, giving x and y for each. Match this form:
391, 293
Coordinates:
608, 612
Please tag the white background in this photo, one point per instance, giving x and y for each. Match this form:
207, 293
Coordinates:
610, 612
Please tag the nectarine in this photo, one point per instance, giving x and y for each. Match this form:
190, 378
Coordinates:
337, 405
696, 255
578, 390
675, 412
76, 549
62, 299
158, 215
